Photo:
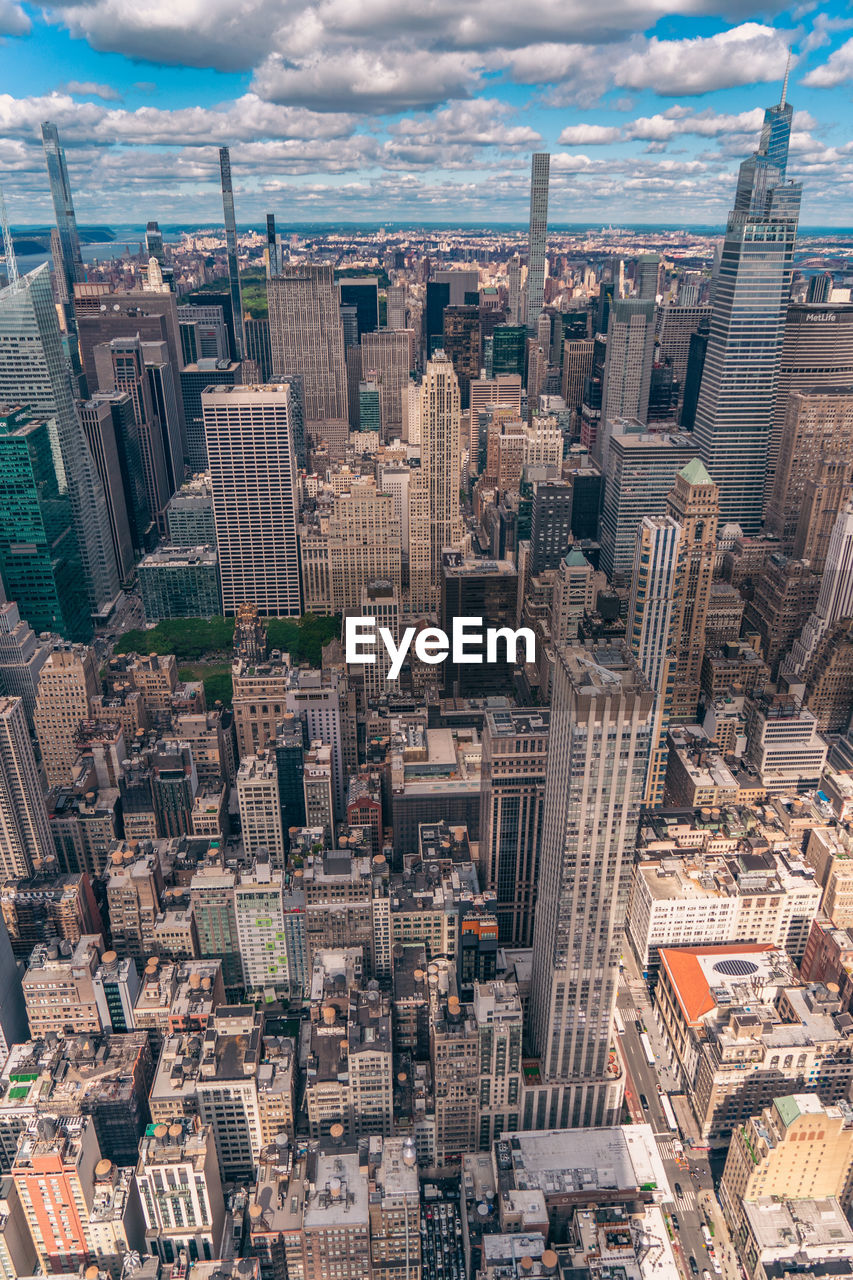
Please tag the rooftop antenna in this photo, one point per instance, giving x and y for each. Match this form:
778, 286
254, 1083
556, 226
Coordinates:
785, 81
8, 247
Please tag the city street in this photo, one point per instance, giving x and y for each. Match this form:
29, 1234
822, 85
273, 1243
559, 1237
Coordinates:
689, 1174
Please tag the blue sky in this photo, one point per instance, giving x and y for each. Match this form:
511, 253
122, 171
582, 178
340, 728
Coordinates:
369, 110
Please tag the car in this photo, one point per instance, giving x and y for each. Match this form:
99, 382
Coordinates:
694, 1270
678, 1190
644, 1102
674, 1220
706, 1275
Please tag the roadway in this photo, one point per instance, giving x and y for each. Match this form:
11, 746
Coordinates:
688, 1171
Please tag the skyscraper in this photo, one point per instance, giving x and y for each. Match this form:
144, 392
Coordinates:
34, 372
253, 480
602, 725
434, 518
629, 359
39, 556
273, 250
835, 600
231, 249
307, 337
739, 381
694, 504
655, 587
25, 839
71, 265
540, 167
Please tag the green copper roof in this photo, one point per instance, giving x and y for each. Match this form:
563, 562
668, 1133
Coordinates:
788, 1109
694, 472
576, 559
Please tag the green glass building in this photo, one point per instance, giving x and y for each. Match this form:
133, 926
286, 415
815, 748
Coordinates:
509, 343
39, 554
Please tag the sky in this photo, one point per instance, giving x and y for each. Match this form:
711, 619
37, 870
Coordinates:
382, 111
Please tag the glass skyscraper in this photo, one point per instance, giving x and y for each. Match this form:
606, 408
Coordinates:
540, 169
737, 396
39, 556
34, 374
71, 265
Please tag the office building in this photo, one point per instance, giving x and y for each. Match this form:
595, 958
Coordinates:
835, 600
784, 748
657, 584
629, 359
796, 1149
306, 337
25, 840
434, 513
33, 372
181, 1191
260, 809
204, 333
577, 367
59, 987
551, 524
231, 250
676, 325
461, 345
737, 398
22, 657
388, 356
180, 582
540, 166
121, 366
602, 727
511, 812
693, 503
212, 902
681, 897
39, 553
639, 475
817, 355
816, 431
253, 481
189, 515
364, 544
259, 913
68, 680
203, 372
509, 348
116, 460
395, 301
361, 292
486, 590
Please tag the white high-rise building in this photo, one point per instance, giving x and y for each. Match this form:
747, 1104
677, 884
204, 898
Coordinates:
435, 522
307, 337
656, 583
249, 434
25, 839
602, 728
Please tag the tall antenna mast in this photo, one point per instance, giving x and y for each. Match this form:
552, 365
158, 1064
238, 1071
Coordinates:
785, 81
8, 247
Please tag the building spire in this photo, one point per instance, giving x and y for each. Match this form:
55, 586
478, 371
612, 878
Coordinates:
8, 246
785, 81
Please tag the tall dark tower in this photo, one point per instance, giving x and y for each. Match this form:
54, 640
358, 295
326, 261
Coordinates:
540, 168
737, 396
231, 250
274, 266
71, 265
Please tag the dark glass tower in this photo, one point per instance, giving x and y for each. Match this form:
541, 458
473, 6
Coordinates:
71, 265
231, 250
736, 400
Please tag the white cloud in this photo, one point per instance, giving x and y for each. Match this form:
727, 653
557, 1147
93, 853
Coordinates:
822, 29
370, 81
747, 54
837, 68
91, 89
585, 135
13, 20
